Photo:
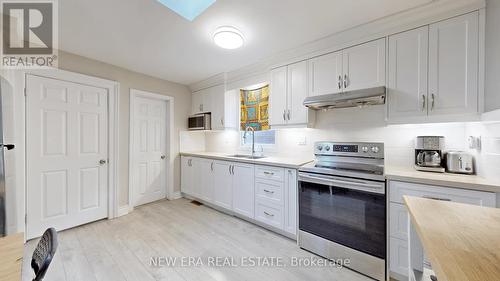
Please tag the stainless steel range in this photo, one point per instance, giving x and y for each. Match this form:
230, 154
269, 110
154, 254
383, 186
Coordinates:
342, 205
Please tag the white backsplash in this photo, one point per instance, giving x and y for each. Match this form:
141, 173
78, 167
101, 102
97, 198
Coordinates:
368, 125
488, 157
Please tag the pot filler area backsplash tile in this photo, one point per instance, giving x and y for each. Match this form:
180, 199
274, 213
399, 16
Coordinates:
364, 125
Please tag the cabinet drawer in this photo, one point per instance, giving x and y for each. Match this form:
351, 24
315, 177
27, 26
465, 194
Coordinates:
398, 189
270, 173
398, 218
269, 190
398, 259
270, 214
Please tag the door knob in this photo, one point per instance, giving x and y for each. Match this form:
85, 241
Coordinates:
163, 157
102, 162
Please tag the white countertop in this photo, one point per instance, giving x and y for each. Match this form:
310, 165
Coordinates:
279, 161
471, 182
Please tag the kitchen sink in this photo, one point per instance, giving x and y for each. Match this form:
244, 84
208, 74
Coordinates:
247, 156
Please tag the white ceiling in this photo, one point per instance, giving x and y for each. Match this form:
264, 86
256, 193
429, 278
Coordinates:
144, 36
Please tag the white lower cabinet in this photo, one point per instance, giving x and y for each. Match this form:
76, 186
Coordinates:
266, 194
291, 193
223, 185
243, 189
398, 215
398, 252
276, 198
207, 184
269, 213
186, 175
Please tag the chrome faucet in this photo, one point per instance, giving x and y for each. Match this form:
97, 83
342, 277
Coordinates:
249, 128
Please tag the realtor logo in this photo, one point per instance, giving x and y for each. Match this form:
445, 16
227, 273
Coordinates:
29, 34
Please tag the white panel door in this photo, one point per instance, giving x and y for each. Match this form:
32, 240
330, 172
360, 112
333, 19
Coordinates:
408, 68
67, 152
243, 189
149, 151
223, 184
454, 65
207, 180
325, 74
278, 96
297, 93
364, 66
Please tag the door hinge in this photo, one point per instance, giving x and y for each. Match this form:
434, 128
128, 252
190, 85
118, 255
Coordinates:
24, 91
26, 219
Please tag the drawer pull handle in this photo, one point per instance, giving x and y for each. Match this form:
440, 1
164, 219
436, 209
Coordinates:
268, 173
268, 214
436, 198
268, 191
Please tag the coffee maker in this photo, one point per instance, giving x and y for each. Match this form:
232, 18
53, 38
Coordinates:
429, 152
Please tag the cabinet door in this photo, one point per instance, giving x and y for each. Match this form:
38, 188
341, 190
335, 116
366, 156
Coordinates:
398, 256
186, 175
243, 189
408, 68
232, 109
223, 185
216, 104
325, 74
277, 96
196, 177
197, 102
297, 92
291, 189
364, 66
207, 182
454, 65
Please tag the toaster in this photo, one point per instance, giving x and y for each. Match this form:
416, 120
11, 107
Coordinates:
459, 162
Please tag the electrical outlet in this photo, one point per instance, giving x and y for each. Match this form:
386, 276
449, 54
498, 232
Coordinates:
302, 140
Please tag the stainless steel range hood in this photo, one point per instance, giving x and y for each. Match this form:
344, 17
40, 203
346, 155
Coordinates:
358, 98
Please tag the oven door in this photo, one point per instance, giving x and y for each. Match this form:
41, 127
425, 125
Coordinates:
347, 211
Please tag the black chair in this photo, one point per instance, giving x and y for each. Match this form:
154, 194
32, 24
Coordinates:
43, 254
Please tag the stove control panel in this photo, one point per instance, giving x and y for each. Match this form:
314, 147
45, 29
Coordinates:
371, 150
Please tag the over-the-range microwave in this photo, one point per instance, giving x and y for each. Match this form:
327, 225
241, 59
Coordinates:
201, 121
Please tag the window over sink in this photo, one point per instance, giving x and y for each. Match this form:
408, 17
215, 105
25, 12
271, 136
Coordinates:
254, 113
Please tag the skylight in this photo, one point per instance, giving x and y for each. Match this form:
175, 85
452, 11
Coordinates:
189, 9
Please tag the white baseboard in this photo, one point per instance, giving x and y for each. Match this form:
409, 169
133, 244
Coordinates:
123, 210
175, 195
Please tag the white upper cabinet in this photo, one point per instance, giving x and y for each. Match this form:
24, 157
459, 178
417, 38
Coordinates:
454, 65
197, 102
222, 105
325, 74
434, 71
297, 92
407, 81
277, 97
364, 66
288, 91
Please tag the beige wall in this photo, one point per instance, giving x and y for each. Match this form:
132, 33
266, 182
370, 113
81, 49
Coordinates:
134, 80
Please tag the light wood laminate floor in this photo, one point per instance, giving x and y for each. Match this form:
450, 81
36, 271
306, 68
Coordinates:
121, 249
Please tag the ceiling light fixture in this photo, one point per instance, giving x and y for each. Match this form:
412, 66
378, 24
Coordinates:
228, 37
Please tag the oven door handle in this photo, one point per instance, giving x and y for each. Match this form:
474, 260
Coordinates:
374, 188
